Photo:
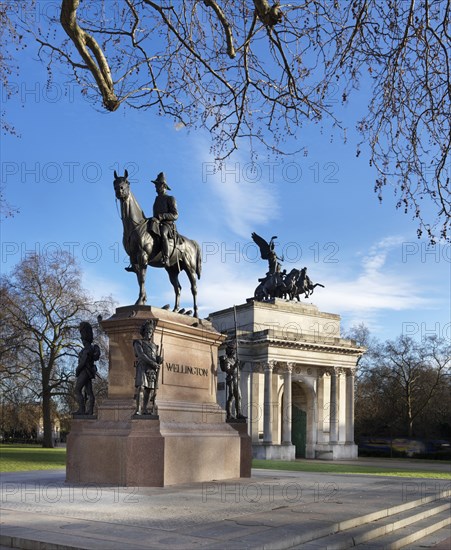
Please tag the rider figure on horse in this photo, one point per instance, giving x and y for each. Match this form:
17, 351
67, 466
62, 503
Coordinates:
164, 215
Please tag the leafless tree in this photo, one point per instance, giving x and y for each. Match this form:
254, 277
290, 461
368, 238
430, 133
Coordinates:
10, 35
401, 383
43, 303
259, 71
12, 39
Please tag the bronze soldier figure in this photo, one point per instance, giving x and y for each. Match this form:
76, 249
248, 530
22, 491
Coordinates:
164, 215
86, 371
230, 365
148, 362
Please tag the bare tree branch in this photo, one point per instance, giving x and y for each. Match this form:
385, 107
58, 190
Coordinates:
259, 70
85, 43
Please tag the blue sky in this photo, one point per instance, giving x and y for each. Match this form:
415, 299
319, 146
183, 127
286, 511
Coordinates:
319, 203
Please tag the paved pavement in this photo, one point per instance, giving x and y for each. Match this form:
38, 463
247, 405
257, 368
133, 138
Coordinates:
273, 509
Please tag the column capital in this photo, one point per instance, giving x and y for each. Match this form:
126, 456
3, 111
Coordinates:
257, 366
289, 367
269, 366
351, 371
331, 371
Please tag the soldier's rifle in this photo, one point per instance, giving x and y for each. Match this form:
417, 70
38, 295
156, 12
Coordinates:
236, 348
161, 354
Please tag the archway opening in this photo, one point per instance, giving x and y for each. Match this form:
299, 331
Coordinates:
299, 419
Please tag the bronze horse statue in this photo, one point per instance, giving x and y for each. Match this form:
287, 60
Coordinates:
294, 284
302, 284
144, 248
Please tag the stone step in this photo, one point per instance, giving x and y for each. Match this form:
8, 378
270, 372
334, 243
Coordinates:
417, 519
439, 540
413, 533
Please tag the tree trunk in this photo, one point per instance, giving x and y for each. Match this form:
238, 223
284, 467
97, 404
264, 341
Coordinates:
47, 419
409, 411
410, 428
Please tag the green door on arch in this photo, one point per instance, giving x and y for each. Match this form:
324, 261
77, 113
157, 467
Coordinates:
299, 431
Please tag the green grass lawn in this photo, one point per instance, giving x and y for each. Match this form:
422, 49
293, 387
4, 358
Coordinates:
21, 458
421, 471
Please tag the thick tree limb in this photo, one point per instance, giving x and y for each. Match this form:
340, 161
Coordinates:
85, 44
225, 25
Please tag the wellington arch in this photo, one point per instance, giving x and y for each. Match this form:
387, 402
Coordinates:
297, 379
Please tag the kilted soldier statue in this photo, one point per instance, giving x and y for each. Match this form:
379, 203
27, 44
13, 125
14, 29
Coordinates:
86, 371
230, 364
148, 362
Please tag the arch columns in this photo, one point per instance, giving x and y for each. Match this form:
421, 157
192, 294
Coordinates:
267, 404
350, 378
333, 417
287, 423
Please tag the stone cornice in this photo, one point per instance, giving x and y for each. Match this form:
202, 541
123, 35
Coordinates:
128, 319
335, 345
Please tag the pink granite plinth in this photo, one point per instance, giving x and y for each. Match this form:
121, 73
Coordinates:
190, 441
245, 448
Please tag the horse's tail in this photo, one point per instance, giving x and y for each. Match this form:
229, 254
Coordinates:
198, 260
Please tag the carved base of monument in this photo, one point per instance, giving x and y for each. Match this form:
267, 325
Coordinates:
189, 442
149, 453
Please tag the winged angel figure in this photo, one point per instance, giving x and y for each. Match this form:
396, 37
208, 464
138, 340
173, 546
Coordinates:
270, 284
267, 252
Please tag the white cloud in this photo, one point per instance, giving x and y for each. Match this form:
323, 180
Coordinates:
246, 196
225, 284
378, 286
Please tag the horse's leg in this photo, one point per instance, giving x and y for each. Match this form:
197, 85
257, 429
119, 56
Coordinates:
173, 273
192, 279
141, 275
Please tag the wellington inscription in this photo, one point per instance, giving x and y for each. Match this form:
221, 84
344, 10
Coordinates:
186, 369
181, 374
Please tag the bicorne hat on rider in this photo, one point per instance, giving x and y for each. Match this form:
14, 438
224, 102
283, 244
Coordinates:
161, 179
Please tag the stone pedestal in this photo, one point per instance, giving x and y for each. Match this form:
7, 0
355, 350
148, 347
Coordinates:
245, 448
190, 441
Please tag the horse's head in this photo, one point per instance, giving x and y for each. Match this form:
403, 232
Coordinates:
121, 186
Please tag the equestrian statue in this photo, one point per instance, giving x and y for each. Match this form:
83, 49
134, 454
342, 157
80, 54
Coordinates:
155, 241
